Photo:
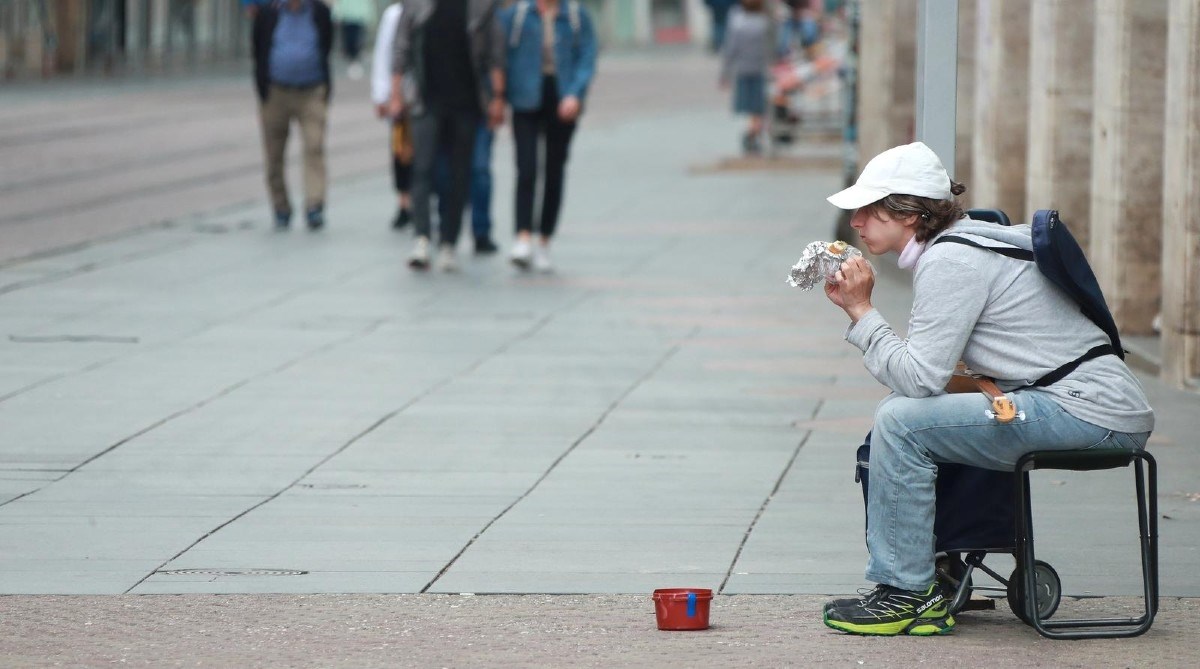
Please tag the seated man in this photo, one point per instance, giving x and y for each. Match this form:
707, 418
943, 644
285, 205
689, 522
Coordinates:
1005, 320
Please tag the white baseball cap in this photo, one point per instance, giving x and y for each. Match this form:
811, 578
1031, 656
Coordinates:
912, 169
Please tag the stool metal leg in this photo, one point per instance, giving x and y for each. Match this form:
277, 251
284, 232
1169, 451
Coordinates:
1145, 472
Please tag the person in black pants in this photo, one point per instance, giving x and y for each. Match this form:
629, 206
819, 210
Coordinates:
528, 128
551, 57
447, 72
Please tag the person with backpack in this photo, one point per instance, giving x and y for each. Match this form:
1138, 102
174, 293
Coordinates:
551, 60
981, 301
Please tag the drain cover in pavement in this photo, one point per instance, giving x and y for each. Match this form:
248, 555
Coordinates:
232, 572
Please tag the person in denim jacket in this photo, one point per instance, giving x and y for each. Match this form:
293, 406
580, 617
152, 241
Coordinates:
551, 59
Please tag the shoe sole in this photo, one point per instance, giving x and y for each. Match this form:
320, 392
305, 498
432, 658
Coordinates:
911, 627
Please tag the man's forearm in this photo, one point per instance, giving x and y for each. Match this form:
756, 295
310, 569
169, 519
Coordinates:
397, 81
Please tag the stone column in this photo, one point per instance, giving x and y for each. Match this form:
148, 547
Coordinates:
886, 75
1181, 186
965, 121
643, 28
1001, 105
159, 22
1125, 244
1060, 112
135, 35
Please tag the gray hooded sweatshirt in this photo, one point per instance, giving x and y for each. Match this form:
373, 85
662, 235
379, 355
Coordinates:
1006, 320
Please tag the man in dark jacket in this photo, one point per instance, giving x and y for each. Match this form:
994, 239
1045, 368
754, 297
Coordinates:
291, 44
447, 74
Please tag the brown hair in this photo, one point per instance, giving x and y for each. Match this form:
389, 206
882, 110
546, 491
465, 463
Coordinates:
933, 216
753, 5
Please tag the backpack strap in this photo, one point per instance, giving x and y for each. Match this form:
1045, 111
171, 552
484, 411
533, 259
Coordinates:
1011, 252
1021, 254
1061, 373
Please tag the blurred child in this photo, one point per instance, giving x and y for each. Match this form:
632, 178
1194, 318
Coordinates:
745, 60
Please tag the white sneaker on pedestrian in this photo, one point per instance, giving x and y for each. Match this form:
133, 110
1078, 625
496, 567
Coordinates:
541, 259
446, 260
522, 253
355, 71
419, 258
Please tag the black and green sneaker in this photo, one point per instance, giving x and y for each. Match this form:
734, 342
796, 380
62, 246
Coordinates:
889, 611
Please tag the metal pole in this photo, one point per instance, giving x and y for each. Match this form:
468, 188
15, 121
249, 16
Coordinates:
937, 77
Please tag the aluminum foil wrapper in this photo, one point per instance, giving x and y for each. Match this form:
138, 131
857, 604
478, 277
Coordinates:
819, 262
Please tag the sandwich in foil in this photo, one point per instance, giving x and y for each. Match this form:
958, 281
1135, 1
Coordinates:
819, 263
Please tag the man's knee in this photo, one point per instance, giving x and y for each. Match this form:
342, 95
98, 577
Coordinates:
895, 413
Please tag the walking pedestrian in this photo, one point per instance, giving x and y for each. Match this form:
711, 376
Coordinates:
291, 43
400, 145
551, 60
353, 17
745, 61
448, 72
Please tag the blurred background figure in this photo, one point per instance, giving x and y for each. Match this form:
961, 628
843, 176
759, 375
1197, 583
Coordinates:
800, 32
400, 139
480, 196
745, 60
292, 40
720, 16
353, 17
447, 74
551, 61
251, 6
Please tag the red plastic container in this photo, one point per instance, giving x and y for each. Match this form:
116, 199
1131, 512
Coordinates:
682, 608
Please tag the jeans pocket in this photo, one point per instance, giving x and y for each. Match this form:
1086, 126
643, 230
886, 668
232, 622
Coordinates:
1125, 440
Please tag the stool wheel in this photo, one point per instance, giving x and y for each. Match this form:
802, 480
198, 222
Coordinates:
1049, 591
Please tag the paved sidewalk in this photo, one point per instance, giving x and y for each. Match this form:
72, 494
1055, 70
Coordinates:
210, 407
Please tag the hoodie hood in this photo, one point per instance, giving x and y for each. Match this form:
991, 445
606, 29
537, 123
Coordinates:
1020, 236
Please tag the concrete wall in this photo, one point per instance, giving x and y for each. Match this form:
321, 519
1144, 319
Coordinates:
1181, 196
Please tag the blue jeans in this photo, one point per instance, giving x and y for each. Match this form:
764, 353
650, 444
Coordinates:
481, 182
911, 436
